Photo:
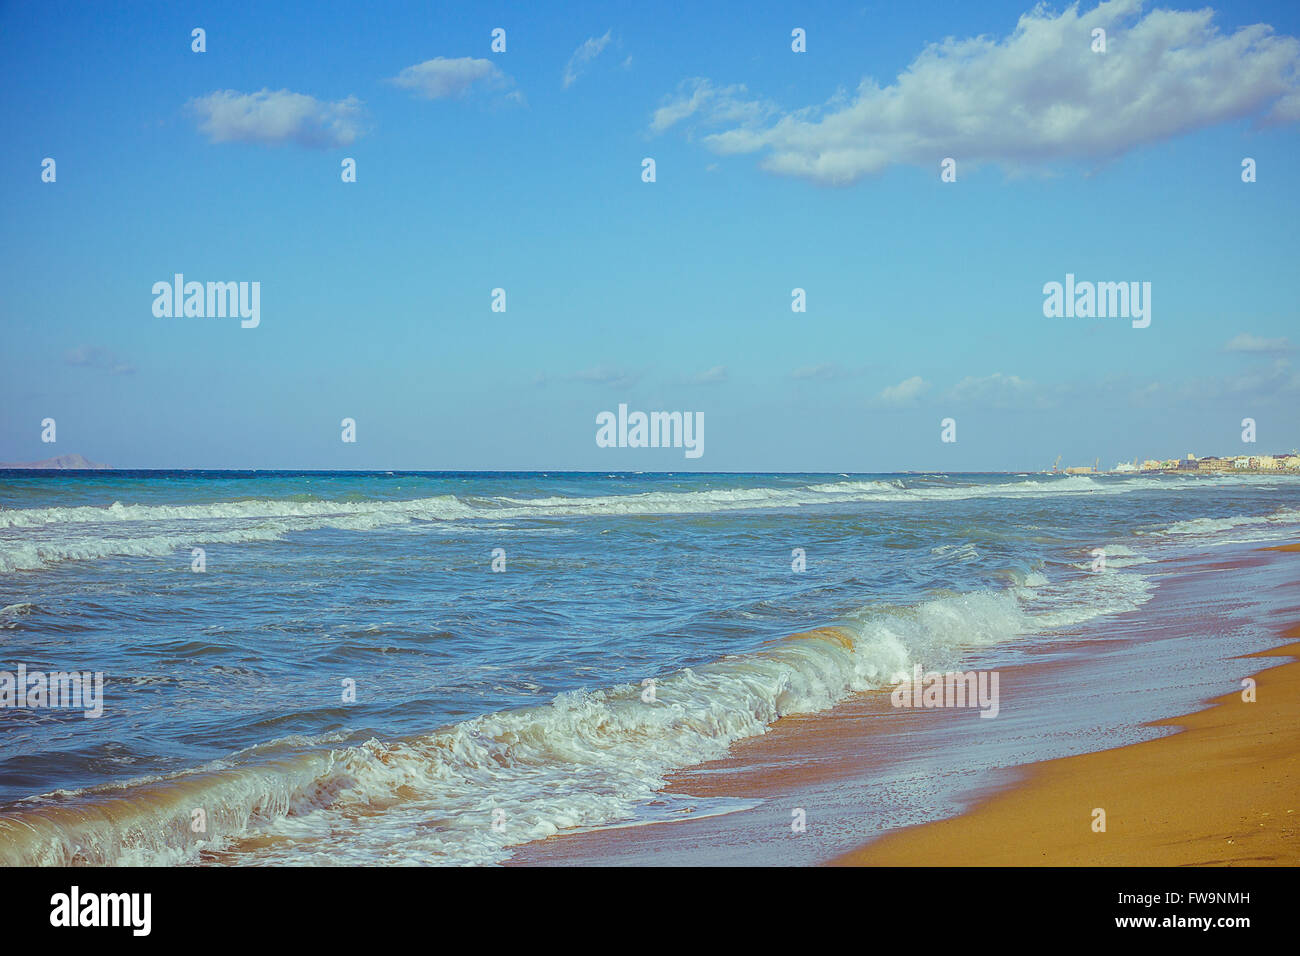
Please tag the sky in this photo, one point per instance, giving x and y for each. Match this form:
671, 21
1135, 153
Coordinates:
522, 170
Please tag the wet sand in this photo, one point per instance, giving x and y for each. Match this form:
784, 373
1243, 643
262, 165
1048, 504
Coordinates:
1224, 791
1221, 786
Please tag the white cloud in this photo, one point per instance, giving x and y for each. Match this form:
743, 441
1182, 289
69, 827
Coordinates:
714, 376
587, 51
999, 391
710, 105
826, 372
443, 77
91, 356
1268, 381
1245, 342
904, 392
1036, 96
608, 376
973, 383
277, 117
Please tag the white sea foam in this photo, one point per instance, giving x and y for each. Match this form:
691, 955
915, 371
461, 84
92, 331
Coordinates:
438, 506
10, 613
587, 758
1117, 556
1204, 526
960, 553
40, 537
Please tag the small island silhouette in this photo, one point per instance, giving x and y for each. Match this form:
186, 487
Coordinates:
60, 462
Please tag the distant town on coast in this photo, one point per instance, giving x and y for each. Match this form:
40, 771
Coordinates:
1265, 464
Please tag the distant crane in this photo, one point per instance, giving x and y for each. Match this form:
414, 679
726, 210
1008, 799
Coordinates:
1096, 464
1055, 463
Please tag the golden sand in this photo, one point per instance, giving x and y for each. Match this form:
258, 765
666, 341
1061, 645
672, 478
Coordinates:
1224, 791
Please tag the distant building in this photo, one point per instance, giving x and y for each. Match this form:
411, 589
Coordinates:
1214, 464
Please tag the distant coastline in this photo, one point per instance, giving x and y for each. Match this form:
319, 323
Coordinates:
79, 463
1214, 464
58, 463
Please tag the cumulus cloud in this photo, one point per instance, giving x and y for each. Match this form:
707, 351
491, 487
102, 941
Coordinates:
91, 356
587, 51
999, 390
443, 77
1245, 342
277, 117
904, 392
1036, 96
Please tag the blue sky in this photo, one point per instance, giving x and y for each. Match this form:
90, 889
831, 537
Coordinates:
522, 170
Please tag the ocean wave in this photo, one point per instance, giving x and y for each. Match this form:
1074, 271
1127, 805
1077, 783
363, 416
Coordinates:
42, 537
10, 614
1270, 523
449, 507
959, 553
471, 791
438, 506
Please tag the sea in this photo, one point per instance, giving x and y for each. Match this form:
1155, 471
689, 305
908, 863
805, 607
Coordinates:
334, 668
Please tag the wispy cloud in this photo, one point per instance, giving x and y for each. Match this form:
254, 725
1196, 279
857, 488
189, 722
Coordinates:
998, 391
710, 105
274, 118
1245, 342
444, 77
904, 393
91, 356
1164, 74
713, 376
587, 51
826, 372
608, 376
1269, 382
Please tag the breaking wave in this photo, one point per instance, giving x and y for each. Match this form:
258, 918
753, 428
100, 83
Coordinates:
36, 538
587, 758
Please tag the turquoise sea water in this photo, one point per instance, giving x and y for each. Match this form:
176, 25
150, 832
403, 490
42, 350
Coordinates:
493, 707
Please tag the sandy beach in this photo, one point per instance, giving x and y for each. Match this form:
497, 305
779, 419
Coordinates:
1223, 792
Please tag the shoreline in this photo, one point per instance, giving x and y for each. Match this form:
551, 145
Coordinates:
1223, 791
982, 795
